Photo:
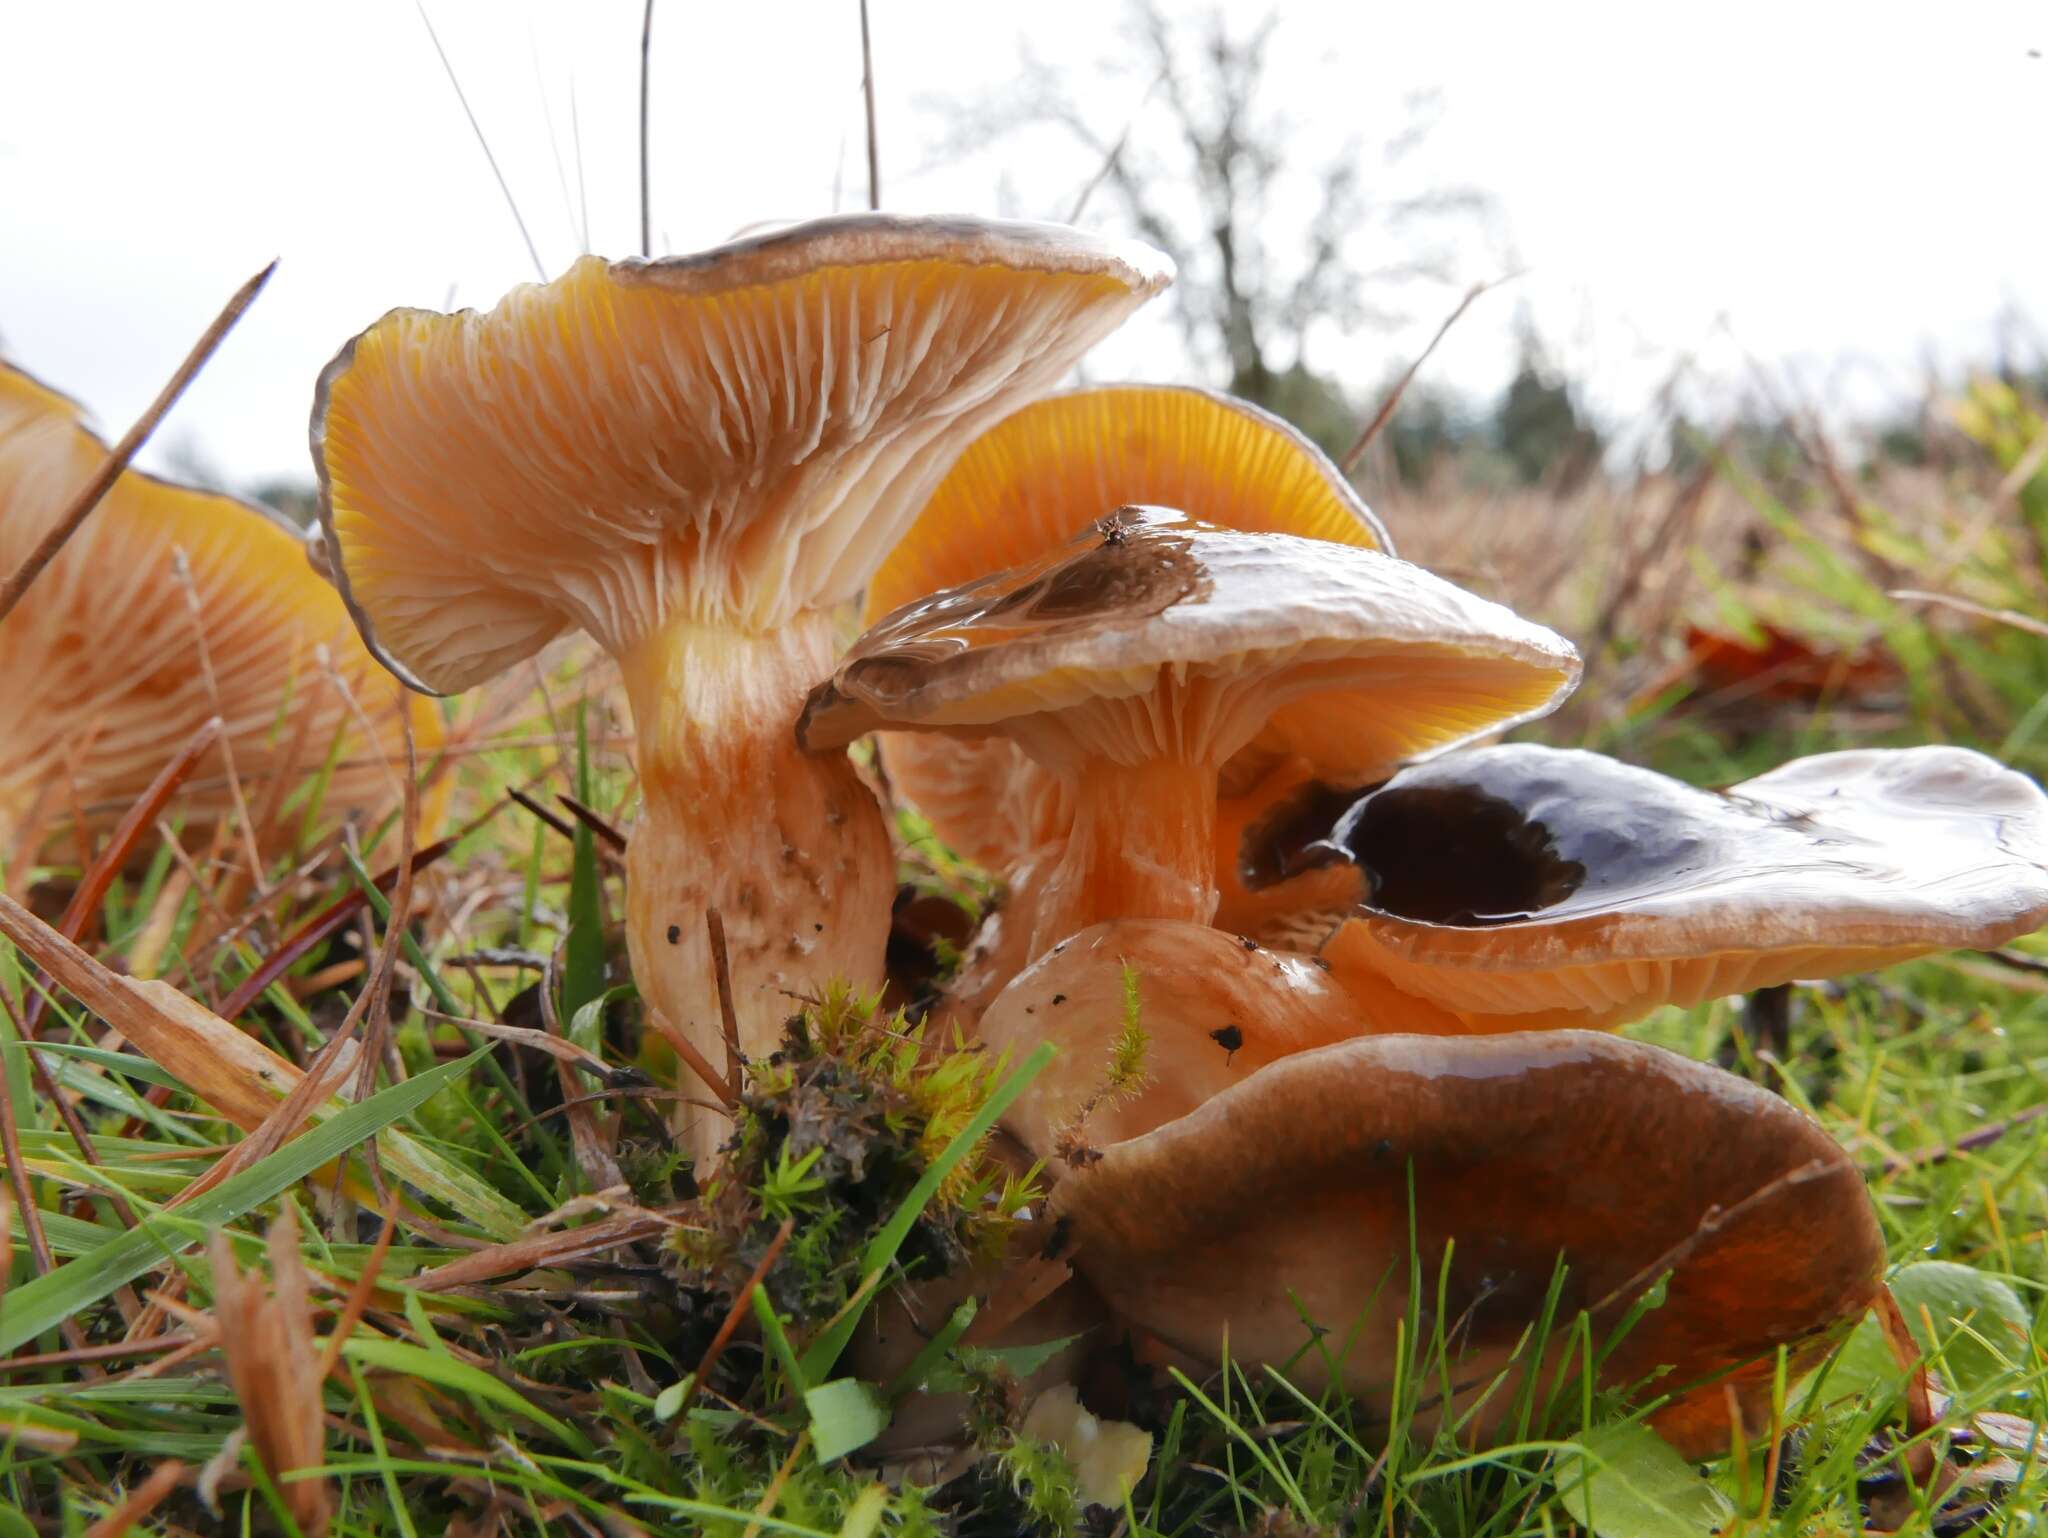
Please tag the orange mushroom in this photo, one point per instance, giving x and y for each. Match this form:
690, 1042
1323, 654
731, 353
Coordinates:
111, 662
1258, 1195
1143, 655
1025, 487
697, 460
1520, 887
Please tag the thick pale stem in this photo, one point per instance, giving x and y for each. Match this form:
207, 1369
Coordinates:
1142, 847
789, 847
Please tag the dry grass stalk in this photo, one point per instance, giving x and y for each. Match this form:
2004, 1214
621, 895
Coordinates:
148, 1495
551, 1249
182, 570
274, 1367
233, 1073
1356, 453
92, 491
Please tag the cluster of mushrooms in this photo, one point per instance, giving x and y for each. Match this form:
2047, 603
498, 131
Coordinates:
1141, 652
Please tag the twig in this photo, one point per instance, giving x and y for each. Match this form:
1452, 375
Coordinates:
646, 51
514, 793
358, 1301
17, 1175
691, 1054
482, 142
92, 491
377, 1022
728, 1017
112, 1351
1969, 1142
2011, 617
1115, 154
148, 1495
620, 1092
1716, 1221
316, 929
1352, 456
867, 90
181, 569
592, 820
741, 1305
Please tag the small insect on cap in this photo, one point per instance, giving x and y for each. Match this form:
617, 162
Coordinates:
1153, 634
1522, 887
734, 436
106, 659
1025, 487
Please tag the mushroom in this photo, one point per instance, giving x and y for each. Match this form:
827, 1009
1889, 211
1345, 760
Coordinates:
1140, 657
1519, 887
1026, 486
697, 460
1255, 1195
109, 662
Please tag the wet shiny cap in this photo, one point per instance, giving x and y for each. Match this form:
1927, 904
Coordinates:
1289, 1195
1347, 656
1524, 885
734, 436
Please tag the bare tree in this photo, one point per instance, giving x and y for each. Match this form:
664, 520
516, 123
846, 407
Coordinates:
1275, 238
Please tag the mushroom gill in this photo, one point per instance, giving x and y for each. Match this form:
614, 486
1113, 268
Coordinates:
697, 460
107, 657
1143, 655
1029, 484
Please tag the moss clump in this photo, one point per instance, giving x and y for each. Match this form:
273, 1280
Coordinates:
835, 1131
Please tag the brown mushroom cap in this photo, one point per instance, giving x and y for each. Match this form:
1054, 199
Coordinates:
103, 660
1140, 657
1022, 489
1620, 1159
1344, 655
1523, 887
1271, 1168
736, 435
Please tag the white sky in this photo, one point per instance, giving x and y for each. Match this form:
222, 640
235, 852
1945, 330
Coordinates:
1850, 184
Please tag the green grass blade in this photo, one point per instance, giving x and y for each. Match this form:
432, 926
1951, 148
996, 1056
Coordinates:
27, 1311
823, 1352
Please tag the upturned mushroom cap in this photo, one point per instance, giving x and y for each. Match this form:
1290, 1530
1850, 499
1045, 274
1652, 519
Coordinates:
105, 675
1523, 887
697, 460
1050, 469
1022, 489
1346, 656
1266, 1174
735, 435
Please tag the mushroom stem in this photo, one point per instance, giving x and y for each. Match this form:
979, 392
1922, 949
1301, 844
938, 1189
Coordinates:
789, 847
1143, 845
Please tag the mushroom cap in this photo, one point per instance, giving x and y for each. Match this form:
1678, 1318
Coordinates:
1215, 1011
1521, 886
110, 710
731, 436
1050, 469
1620, 1159
1153, 634
1023, 488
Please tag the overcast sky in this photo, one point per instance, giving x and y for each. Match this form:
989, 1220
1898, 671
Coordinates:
1848, 184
